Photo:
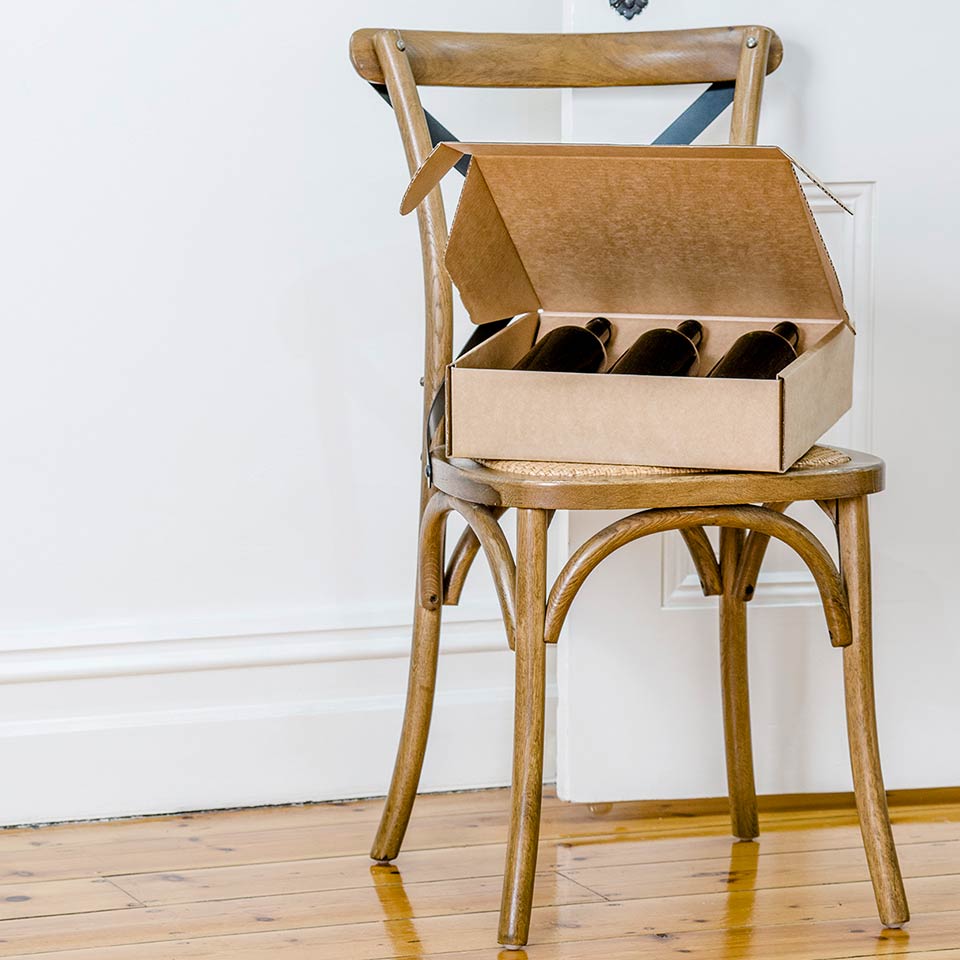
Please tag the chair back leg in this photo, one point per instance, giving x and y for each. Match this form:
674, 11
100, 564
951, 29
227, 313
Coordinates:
735, 690
422, 682
854, 536
528, 728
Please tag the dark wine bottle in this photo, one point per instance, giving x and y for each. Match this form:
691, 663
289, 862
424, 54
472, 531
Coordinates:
760, 354
663, 352
570, 349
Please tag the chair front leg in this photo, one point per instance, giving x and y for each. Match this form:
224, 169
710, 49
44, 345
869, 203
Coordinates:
736, 693
854, 536
425, 649
528, 729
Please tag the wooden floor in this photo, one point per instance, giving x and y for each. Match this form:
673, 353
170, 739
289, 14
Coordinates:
634, 881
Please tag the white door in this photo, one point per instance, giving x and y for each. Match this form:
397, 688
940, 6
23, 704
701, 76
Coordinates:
640, 713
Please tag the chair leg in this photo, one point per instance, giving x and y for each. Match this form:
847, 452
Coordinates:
736, 694
854, 536
528, 729
421, 684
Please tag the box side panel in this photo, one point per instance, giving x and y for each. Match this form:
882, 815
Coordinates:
817, 391
482, 259
680, 422
499, 352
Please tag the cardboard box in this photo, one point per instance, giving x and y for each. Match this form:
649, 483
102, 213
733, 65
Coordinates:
646, 236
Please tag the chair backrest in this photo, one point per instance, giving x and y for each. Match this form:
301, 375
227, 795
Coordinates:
404, 59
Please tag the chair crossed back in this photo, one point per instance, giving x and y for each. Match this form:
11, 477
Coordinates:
402, 60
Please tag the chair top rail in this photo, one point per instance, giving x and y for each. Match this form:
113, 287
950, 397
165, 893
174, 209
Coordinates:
449, 59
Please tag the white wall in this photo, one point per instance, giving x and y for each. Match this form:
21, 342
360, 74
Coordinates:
205, 572
866, 102
210, 412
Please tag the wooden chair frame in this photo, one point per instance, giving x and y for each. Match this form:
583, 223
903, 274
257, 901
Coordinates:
533, 616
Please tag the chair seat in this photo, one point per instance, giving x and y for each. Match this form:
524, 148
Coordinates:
826, 473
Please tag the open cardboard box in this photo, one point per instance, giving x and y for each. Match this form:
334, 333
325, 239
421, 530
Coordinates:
646, 236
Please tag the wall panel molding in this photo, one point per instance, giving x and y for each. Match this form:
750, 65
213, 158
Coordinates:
179, 651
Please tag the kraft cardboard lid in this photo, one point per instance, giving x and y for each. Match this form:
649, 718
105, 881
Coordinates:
697, 231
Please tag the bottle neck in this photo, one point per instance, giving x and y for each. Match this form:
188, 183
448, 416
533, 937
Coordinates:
601, 328
789, 332
692, 330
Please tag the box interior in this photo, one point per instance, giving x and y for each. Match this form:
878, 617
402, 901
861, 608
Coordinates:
719, 333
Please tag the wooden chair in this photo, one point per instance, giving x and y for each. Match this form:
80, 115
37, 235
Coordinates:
532, 616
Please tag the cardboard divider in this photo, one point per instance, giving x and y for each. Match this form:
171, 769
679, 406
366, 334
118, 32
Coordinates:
719, 333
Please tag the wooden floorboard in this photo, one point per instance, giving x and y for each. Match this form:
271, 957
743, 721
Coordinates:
634, 880
453, 863
32, 855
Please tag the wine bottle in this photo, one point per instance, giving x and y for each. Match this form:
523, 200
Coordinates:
664, 352
760, 354
570, 349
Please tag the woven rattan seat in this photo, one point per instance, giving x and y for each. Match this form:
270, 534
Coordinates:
816, 456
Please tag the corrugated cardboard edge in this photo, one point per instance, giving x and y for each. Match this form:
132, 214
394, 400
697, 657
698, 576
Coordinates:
448, 410
817, 182
829, 267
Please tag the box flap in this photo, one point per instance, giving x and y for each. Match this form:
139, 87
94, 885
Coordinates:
483, 260
671, 230
442, 159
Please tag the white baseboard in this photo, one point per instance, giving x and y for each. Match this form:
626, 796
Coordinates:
118, 721
164, 761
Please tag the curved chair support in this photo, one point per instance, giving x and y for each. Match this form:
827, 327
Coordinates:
751, 558
831, 508
638, 525
461, 560
490, 536
467, 546
704, 559
756, 547
465, 552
